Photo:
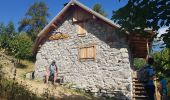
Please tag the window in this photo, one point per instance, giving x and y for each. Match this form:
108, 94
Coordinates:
81, 31
87, 53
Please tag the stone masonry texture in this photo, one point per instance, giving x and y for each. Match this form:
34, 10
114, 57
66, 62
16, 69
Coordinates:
109, 74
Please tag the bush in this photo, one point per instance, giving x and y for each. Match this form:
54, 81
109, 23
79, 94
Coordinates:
21, 46
139, 62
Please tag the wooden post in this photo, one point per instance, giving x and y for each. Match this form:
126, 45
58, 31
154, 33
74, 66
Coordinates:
54, 25
157, 94
147, 46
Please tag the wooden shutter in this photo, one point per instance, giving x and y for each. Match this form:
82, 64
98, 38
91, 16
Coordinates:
81, 29
88, 52
83, 53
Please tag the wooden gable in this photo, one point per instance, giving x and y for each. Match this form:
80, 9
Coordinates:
80, 15
140, 46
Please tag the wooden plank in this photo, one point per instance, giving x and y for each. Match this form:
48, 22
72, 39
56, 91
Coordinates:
139, 41
80, 15
53, 25
94, 52
81, 21
90, 52
75, 16
147, 46
81, 29
83, 53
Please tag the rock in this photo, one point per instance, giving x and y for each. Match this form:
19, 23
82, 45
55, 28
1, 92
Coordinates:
94, 90
29, 76
103, 91
123, 50
125, 55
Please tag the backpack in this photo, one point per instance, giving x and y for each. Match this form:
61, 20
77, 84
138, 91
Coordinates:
143, 74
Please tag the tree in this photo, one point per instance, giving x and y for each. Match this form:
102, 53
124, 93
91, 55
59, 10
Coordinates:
139, 62
2, 31
161, 62
10, 30
138, 15
2, 28
35, 19
7, 33
98, 8
21, 46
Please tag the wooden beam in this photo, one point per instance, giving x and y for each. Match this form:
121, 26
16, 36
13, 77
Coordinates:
81, 21
53, 25
138, 46
94, 17
138, 38
147, 46
137, 42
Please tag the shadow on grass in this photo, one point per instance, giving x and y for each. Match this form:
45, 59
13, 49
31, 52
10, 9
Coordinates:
20, 65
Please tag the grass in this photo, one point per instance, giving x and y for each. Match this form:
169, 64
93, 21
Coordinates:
24, 67
12, 90
35, 90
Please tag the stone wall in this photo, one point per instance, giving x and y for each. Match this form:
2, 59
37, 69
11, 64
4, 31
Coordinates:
109, 74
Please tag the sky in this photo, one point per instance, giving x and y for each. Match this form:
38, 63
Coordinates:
14, 10
158, 45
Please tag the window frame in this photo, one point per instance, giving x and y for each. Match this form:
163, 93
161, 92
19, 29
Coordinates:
87, 54
81, 25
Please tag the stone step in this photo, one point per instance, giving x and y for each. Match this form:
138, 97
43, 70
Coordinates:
135, 79
138, 85
141, 97
139, 88
139, 93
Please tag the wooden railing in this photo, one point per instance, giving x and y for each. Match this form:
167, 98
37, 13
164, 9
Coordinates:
139, 89
157, 93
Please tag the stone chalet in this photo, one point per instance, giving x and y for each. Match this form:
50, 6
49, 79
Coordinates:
89, 51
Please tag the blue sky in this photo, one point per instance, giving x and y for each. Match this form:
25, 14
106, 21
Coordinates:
14, 10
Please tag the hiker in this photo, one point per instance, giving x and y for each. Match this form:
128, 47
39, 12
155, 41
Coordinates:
163, 90
52, 70
146, 76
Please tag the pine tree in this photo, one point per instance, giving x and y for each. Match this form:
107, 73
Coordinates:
98, 8
35, 19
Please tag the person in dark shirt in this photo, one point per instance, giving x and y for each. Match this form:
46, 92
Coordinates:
149, 85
